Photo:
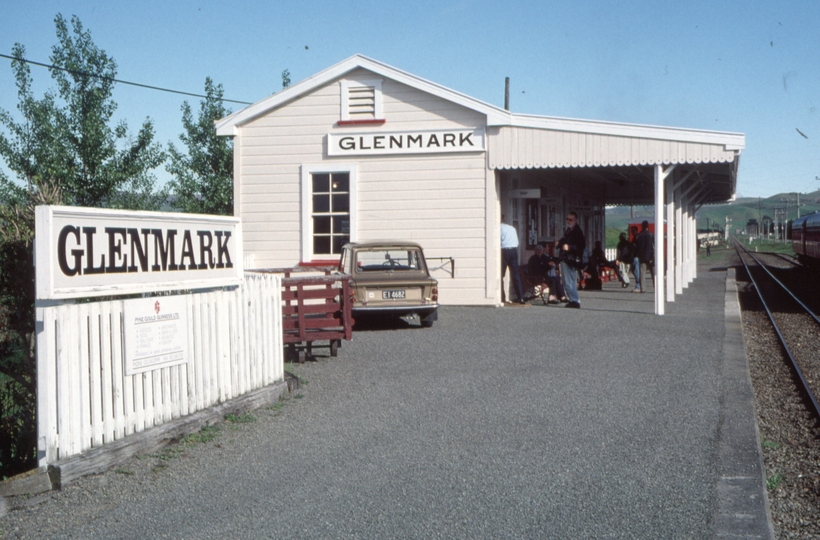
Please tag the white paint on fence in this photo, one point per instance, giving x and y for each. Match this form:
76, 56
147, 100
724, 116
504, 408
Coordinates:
86, 399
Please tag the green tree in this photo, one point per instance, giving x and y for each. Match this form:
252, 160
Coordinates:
62, 151
203, 177
67, 138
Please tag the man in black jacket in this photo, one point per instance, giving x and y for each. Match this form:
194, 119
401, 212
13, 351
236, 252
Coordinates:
572, 246
624, 258
645, 253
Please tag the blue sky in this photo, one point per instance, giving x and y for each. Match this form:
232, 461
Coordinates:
749, 67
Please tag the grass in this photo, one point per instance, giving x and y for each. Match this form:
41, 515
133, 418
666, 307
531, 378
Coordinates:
276, 406
774, 481
290, 368
246, 418
206, 434
769, 445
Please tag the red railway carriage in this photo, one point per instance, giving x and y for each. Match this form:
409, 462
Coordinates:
806, 238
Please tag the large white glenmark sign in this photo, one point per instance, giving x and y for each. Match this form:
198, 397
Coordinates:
405, 142
86, 252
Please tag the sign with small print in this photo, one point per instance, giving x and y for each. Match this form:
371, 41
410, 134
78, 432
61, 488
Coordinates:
525, 193
155, 333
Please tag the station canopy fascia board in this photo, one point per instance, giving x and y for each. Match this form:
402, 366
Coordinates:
625, 179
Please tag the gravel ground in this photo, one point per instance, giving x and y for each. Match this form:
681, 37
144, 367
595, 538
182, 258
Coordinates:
495, 423
790, 437
171, 482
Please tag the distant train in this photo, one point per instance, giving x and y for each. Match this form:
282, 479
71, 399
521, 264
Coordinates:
805, 237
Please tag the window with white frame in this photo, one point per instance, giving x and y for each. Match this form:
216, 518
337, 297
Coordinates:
328, 210
361, 101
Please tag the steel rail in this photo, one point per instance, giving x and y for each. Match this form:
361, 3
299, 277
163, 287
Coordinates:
777, 328
788, 258
782, 285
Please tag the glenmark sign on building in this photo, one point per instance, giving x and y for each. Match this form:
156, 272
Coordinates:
405, 142
84, 252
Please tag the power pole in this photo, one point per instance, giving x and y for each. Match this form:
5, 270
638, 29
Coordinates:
506, 93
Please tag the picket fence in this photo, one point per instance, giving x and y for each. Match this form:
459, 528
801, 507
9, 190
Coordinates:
85, 400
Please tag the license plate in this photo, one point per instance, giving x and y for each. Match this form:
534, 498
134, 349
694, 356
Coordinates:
393, 295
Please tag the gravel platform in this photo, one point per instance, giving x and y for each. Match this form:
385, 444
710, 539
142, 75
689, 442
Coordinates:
533, 422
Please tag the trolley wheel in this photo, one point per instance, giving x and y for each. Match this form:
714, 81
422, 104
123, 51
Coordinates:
334, 346
302, 356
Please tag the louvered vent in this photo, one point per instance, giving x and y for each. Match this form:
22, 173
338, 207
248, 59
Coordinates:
361, 102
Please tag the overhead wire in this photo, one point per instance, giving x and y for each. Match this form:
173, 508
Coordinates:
75, 72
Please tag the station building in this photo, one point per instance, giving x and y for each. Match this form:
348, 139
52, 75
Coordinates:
363, 151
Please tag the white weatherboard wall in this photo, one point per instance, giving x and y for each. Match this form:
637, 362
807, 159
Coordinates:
438, 200
86, 400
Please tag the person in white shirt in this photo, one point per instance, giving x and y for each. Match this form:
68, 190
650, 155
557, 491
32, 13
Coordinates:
509, 258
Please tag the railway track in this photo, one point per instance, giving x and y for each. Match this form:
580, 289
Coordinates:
796, 323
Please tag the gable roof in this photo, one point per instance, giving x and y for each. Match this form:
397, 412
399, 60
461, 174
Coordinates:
228, 125
496, 116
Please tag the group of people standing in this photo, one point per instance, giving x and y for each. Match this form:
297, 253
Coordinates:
560, 273
564, 285
639, 254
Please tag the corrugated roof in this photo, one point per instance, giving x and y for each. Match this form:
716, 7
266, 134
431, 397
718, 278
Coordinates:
527, 148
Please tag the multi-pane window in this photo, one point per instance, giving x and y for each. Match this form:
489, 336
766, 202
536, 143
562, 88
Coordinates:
330, 212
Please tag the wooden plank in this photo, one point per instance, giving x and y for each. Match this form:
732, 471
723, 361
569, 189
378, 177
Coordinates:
273, 317
48, 441
148, 399
139, 402
243, 310
311, 294
223, 346
112, 356
173, 374
165, 374
310, 309
129, 418
196, 323
274, 327
74, 434
291, 283
28, 483
159, 406
255, 360
191, 374
100, 386
234, 303
107, 358
278, 348
63, 415
213, 356
311, 324
84, 431
315, 336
